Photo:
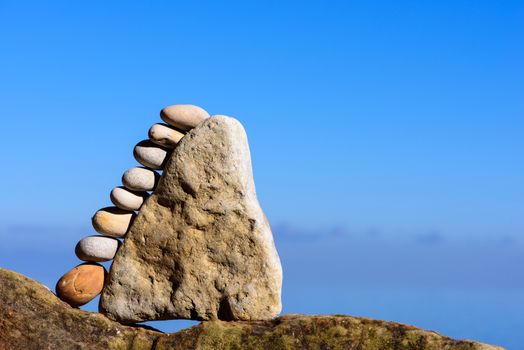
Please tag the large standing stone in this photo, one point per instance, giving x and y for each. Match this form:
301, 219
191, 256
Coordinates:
201, 247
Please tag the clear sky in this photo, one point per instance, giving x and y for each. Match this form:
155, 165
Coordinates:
401, 117
368, 121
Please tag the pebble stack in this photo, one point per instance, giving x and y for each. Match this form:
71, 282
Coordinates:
85, 281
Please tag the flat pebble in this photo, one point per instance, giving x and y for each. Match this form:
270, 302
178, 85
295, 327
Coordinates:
140, 179
183, 117
164, 135
112, 221
81, 284
97, 248
150, 155
126, 199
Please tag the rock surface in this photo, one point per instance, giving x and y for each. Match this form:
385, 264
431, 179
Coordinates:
201, 247
31, 317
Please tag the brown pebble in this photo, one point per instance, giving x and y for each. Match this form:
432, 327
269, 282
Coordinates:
81, 284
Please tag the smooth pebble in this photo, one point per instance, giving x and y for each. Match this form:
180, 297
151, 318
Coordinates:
81, 284
112, 221
150, 155
97, 248
164, 135
127, 199
183, 117
140, 179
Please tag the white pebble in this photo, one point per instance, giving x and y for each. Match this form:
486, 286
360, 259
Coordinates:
97, 248
164, 135
126, 199
140, 179
150, 155
183, 117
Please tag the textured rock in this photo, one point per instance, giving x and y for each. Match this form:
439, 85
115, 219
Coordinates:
97, 248
164, 135
31, 317
140, 179
150, 155
201, 247
183, 117
81, 284
126, 199
112, 221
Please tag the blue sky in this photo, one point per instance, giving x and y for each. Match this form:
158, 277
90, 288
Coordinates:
372, 119
404, 116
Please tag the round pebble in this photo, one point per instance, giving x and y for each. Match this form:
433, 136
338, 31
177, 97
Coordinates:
112, 221
81, 284
126, 199
140, 179
164, 135
97, 248
150, 155
183, 117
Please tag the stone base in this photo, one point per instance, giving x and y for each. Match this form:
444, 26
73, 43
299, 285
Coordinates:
32, 317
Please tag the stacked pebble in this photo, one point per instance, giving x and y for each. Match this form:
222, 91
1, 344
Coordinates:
84, 282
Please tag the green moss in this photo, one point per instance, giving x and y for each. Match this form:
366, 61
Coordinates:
218, 335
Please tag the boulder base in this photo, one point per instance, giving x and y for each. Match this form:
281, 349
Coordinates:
32, 317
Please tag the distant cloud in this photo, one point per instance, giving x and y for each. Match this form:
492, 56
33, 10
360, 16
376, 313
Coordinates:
333, 256
44, 237
289, 231
430, 238
509, 240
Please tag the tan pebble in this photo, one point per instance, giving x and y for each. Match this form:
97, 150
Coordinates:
81, 284
183, 117
126, 199
112, 221
150, 155
164, 135
140, 179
